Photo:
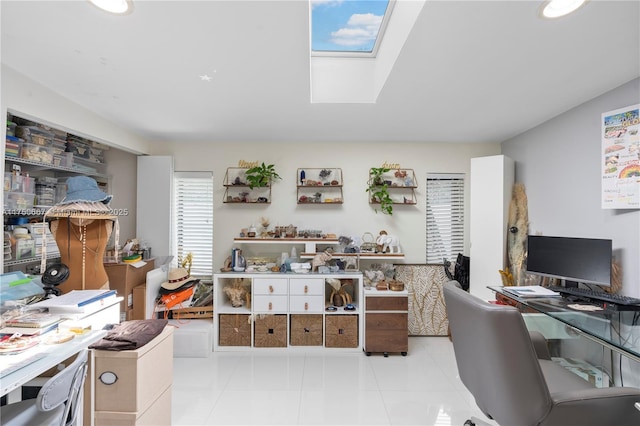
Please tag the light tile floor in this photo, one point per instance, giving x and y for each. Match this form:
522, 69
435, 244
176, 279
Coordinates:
323, 388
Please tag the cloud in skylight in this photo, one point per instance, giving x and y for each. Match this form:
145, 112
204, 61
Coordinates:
347, 26
361, 29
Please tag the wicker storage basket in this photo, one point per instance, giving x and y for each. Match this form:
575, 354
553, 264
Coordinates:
306, 330
235, 330
341, 331
270, 331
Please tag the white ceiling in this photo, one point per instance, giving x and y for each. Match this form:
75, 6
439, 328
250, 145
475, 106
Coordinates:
470, 71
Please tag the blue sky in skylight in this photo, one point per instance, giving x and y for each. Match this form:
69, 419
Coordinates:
346, 25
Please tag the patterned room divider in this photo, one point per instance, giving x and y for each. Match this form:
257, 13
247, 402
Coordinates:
427, 313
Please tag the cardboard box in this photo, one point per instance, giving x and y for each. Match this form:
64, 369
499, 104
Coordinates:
124, 278
142, 375
139, 302
159, 413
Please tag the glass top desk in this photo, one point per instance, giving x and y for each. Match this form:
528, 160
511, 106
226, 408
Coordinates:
617, 330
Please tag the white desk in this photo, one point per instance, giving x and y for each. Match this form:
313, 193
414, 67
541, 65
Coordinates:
55, 355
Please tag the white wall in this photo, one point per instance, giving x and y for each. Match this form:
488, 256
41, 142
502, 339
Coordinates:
354, 217
560, 164
29, 99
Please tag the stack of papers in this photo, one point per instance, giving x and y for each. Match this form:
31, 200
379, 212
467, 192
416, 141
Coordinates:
530, 291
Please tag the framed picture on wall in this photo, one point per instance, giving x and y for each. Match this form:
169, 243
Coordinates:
621, 158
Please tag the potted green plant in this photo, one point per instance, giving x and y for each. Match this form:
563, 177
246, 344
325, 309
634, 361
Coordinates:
377, 190
261, 176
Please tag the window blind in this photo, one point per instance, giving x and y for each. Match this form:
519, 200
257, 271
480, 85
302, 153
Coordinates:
193, 219
445, 217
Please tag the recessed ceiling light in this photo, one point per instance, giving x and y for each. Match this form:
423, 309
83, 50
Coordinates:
119, 7
557, 8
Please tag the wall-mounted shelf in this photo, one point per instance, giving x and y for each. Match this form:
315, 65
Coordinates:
364, 256
309, 243
401, 185
237, 189
319, 186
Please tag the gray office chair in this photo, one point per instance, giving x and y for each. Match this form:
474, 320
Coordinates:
57, 401
513, 379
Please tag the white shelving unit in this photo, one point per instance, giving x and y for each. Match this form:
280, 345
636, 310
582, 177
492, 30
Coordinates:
287, 311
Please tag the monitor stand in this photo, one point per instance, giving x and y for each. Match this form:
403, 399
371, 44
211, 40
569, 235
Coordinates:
570, 284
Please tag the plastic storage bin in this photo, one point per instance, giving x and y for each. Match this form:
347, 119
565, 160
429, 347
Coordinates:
18, 200
39, 153
35, 135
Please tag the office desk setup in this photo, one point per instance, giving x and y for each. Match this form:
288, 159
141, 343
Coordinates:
618, 330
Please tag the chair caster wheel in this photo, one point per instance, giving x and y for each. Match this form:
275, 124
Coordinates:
386, 354
368, 353
469, 423
403, 353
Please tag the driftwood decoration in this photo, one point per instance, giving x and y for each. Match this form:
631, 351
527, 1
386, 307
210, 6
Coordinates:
518, 227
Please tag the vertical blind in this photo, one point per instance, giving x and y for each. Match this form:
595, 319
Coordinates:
445, 217
193, 219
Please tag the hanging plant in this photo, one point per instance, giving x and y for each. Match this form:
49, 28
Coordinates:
261, 176
378, 190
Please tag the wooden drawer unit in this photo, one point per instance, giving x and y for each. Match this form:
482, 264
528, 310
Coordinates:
386, 322
386, 303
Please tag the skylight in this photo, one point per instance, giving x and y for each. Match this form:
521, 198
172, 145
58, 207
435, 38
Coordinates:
348, 27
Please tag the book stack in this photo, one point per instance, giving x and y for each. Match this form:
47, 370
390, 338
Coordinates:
40, 231
31, 324
531, 291
77, 302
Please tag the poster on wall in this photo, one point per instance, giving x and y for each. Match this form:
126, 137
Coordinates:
621, 158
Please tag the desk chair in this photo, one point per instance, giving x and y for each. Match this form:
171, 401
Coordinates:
513, 379
57, 401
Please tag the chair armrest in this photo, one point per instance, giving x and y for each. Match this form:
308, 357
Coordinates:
595, 406
540, 345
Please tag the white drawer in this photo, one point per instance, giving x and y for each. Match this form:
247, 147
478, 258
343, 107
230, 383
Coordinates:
262, 303
306, 286
270, 286
313, 304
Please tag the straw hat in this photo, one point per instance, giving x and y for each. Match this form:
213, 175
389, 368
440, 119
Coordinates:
178, 278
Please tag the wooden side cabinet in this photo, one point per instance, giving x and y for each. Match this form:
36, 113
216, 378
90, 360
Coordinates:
386, 319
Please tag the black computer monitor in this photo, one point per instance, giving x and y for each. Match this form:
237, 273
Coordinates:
574, 260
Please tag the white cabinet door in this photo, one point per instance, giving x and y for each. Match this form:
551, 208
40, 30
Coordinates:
491, 184
154, 206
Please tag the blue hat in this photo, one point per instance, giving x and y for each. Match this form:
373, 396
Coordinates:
84, 189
